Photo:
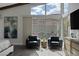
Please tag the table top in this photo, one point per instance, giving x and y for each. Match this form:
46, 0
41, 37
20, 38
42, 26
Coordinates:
43, 40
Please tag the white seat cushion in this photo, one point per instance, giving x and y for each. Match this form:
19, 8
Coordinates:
54, 42
32, 41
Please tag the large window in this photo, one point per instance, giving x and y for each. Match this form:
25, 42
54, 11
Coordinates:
48, 9
46, 27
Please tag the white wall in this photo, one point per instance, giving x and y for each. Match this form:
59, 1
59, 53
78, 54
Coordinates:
1, 27
27, 28
19, 11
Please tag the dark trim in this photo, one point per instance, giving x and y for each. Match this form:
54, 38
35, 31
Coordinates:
6, 48
13, 5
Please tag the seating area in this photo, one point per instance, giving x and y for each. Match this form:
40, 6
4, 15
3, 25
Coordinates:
35, 42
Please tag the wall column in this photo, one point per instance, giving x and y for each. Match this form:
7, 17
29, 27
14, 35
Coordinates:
61, 17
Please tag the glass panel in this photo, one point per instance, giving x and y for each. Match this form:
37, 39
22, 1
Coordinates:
52, 8
38, 10
66, 7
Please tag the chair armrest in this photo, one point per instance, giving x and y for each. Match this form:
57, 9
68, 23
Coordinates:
49, 38
60, 42
49, 41
27, 42
38, 38
38, 41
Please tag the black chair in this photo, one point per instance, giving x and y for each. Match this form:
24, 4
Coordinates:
32, 42
54, 42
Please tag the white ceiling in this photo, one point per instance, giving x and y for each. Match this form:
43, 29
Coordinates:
5, 4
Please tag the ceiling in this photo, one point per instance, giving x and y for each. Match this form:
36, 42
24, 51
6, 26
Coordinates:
5, 4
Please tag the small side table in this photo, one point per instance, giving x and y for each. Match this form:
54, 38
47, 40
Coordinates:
44, 43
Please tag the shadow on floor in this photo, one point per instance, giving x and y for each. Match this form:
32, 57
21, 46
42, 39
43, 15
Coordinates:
23, 51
